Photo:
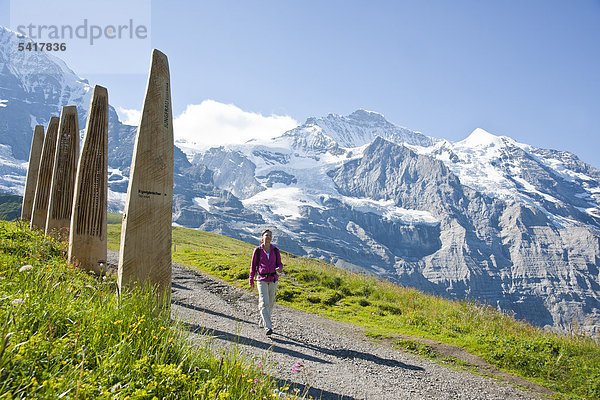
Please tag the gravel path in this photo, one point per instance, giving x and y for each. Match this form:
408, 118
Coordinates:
339, 362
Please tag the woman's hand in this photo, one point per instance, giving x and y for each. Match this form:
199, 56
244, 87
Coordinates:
280, 269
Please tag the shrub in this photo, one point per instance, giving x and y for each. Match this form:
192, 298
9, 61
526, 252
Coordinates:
333, 298
332, 282
417, 348
346, 291
309, 276
313, 299
390, 309
242, 275
366, 289
285, 295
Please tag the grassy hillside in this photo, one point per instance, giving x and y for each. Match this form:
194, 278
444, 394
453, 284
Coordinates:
114, 218
568, 365
10, 206
65, 334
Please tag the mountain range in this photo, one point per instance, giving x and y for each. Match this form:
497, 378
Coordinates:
485, 218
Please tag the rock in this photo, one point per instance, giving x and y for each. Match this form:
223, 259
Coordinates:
26, 268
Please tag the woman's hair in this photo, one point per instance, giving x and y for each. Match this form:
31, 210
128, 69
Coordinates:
263, 234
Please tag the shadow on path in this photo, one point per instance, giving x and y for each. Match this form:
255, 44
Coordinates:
207, 311
346, 353
270, 346
178, 286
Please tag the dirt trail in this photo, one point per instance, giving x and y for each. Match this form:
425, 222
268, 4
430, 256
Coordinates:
338, 360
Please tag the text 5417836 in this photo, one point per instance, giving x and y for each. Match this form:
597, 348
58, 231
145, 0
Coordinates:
42, 46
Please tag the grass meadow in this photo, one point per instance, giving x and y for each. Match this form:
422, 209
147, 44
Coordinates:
66, 334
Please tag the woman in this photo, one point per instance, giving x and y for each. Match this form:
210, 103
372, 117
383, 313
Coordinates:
266, 263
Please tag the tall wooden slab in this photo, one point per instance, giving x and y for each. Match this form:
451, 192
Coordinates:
60, 203
42, 191
37, 142
87, 236
145, 255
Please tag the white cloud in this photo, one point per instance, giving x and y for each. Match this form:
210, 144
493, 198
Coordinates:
211, 123
129, 117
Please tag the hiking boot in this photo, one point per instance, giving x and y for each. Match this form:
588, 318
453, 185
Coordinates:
269, 332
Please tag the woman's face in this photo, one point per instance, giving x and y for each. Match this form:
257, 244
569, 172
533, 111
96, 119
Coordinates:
267, 236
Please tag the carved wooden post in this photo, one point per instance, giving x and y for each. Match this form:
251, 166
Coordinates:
87, 236
42, 191
60, 203
145, 255
32, 172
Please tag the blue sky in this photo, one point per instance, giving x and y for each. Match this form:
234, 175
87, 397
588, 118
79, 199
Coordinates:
526, 69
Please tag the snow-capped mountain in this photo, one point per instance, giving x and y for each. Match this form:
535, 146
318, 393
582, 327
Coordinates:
486, 217
557, 183
357, 129
12, 171
35, 85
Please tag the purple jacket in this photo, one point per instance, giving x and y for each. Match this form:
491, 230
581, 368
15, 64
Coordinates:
265, 267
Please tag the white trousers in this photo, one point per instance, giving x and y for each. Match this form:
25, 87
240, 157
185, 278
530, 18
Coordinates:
266, 300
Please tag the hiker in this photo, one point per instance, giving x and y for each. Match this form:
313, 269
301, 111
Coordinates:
265, 264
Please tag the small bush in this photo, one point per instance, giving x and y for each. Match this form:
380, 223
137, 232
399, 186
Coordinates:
285, 295
365, 290
332, 282
390, 309
417, 348
333, 298
313, 299
242, 275
346, 291
363, 302
309, 276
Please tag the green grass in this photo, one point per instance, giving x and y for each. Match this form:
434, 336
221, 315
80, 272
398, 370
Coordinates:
65, 333
10, 206
567, 364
